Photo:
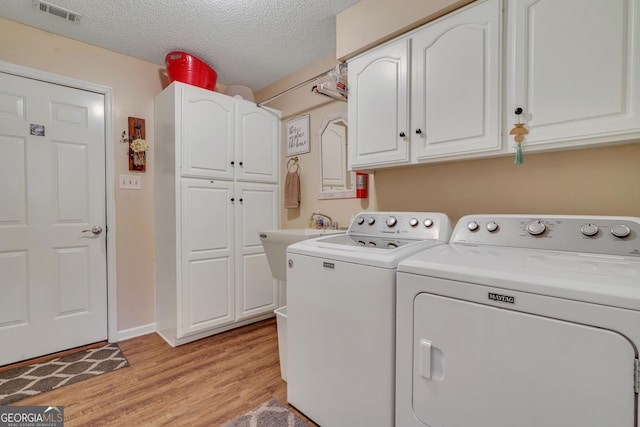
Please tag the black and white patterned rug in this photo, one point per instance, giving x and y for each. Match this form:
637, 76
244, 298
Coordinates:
22, 382
269, 414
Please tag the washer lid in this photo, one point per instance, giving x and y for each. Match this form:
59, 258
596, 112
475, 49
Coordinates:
600, 279
378, 251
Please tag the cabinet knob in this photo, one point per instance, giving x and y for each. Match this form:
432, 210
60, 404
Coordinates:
402, 135
418, 131
233, 199
518, 111
240, 200
232, 163
240, 163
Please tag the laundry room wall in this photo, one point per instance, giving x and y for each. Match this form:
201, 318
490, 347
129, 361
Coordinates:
597, 181
135, 83
301, 102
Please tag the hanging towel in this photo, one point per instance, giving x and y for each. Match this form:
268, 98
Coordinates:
292, 188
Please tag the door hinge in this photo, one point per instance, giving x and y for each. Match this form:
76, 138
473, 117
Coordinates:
636, 370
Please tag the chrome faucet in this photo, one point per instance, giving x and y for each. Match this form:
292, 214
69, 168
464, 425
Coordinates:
325, 224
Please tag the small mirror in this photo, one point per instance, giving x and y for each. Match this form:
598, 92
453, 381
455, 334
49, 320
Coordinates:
335, 181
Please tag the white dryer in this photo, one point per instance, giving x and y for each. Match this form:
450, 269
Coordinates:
521, 321
341, 316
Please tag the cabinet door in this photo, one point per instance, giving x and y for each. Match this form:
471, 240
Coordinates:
207, 292
207, 133
256, 210
378, 107
573, 67
455, 107
257, 143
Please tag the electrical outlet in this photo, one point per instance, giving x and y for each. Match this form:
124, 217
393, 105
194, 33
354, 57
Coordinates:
130, 182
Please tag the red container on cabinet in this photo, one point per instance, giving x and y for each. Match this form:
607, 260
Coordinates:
186, 68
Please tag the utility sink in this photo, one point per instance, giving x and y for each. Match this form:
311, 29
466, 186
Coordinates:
275, 244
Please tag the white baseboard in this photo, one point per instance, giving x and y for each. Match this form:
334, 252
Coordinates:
136, 332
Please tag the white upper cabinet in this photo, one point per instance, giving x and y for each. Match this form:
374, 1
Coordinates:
257, 143
228, 138
433, 93
378, 107
455, 109
573, 67
207, 133
449, 90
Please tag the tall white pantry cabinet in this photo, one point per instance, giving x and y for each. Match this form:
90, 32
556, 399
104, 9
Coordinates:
216, 186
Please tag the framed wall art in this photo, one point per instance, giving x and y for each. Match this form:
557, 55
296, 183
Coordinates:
298, 141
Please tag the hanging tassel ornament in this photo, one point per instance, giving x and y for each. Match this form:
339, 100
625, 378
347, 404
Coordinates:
519, 131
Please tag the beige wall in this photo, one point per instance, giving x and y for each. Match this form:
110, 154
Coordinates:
597, 181
371, 22
301, 102
134, 83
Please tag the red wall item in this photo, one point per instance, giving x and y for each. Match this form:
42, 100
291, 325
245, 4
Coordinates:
361, 185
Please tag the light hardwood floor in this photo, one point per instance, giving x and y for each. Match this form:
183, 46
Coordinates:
203, 383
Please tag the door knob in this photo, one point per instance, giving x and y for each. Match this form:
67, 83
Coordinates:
96, 229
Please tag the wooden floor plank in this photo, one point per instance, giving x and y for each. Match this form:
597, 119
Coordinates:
204, 383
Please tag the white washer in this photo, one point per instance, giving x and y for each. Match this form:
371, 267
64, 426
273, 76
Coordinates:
341, 316
521, 321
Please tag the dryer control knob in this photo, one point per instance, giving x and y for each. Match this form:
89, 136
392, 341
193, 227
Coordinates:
360, 220
535, 228
371, 221
620, 230
428, 222
392, 221
589, 229
473, 226
492, 226
414, 222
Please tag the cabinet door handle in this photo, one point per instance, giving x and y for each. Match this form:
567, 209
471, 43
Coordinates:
418, 131
402, 135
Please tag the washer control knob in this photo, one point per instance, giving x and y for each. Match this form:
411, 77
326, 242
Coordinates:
589, 229
371, 244
473, 226
414, 222
391, 245
620, 230
392, 221
371, 221
492, 226
360, 220
428, 222
536, 228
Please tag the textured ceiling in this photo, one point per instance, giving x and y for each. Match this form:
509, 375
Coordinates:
248, 42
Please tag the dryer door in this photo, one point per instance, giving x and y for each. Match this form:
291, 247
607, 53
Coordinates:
489, 367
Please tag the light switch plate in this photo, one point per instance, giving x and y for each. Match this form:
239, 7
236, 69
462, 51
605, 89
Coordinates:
130, 182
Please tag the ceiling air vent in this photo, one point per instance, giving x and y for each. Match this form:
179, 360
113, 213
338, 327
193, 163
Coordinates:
58, 11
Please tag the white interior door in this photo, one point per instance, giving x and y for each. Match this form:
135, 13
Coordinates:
53, 287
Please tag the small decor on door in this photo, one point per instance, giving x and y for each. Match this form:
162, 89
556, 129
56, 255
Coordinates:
298, 136
519, 131
138, 146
